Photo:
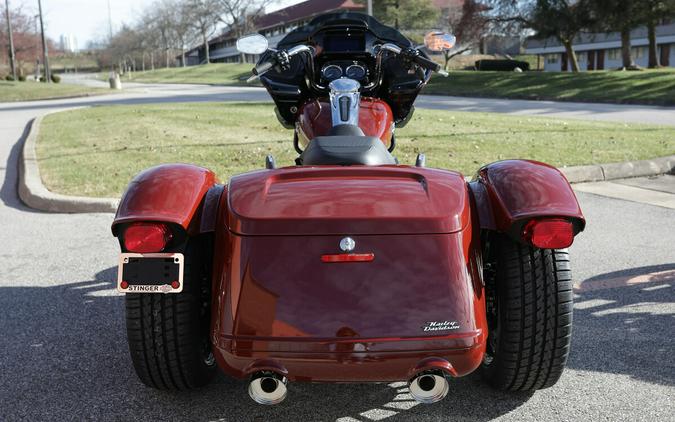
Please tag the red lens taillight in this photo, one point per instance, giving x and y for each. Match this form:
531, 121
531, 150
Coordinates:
146, 237
549, 233
348, 257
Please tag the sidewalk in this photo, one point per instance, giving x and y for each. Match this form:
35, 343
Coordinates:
656, 190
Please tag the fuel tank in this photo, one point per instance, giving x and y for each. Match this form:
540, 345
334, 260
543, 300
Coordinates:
375, 119
278, 300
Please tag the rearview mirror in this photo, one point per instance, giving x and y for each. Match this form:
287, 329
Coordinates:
439, 41
252, 44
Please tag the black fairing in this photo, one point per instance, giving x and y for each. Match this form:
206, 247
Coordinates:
290, 89
354, 20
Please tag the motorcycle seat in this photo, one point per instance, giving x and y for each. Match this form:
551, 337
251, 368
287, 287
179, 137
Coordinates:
346, 150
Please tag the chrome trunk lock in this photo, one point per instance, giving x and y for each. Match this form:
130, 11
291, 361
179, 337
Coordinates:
344, 101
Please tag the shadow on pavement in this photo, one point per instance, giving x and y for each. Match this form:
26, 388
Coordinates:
64, 355
628, 329
9, 193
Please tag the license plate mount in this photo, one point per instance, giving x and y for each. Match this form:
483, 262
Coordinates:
150, 273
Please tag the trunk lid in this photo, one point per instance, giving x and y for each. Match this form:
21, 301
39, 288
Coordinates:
333, 200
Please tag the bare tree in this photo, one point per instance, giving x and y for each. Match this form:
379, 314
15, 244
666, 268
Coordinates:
26, 39
655, 11
468, 24
560, 19
161, 18
181, 25
622, 16
240, 15
205, 15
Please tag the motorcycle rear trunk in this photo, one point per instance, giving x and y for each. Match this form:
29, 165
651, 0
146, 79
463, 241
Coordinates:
418, 305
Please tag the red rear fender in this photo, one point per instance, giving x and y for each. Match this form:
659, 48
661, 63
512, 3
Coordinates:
510, 193
170, 193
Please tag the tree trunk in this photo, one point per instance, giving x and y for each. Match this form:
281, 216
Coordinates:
182, 55
166, 56
206, 47
653, 51
626, 55
152, 60
572, 57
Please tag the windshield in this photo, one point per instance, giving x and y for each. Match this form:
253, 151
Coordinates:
303, 34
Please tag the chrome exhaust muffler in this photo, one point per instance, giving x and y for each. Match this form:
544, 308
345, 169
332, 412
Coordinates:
267, 387
429, 386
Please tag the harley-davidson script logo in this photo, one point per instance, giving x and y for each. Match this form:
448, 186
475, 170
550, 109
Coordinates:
440, 326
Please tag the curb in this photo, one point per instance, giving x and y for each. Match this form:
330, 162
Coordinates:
34, 194
611, 171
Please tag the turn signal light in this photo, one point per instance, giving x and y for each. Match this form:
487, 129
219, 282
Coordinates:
549, 233
348, 257
146, 237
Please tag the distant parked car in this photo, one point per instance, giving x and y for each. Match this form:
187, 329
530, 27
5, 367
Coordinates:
504, 65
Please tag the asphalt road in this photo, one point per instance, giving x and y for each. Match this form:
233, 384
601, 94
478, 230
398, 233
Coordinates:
63, 353
557, 109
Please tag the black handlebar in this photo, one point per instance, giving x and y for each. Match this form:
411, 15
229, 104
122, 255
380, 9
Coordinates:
263, 67
427, 63
281, 59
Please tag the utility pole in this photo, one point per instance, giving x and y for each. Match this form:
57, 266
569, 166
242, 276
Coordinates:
370, 7
45, 53
12, 57
110, 34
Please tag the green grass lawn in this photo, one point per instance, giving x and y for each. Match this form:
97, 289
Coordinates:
96, 151
24, 91
644, 87
215, 73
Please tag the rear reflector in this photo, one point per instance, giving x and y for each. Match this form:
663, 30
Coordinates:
549, 233
348, 257
146, 237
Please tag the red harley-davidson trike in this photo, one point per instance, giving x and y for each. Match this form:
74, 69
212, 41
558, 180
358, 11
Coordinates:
348, 266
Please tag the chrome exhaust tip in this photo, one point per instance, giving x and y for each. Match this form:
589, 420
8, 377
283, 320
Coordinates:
267, 388
429, 387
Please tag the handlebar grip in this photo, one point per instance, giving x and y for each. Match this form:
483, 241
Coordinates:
427, 63
262, 68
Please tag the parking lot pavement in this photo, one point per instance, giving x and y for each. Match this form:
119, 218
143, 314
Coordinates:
64, 356
63, 351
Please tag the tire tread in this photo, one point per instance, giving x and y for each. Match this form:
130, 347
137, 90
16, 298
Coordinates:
535, 295
163, 332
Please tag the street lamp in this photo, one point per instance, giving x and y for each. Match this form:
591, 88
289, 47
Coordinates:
45, 53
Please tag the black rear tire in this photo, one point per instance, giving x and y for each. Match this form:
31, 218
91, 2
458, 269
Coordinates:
168, 334
529, 308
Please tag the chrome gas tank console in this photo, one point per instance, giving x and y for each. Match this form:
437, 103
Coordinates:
344, 101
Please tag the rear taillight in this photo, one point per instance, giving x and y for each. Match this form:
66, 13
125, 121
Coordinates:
348, 257
549, 233
146, 237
